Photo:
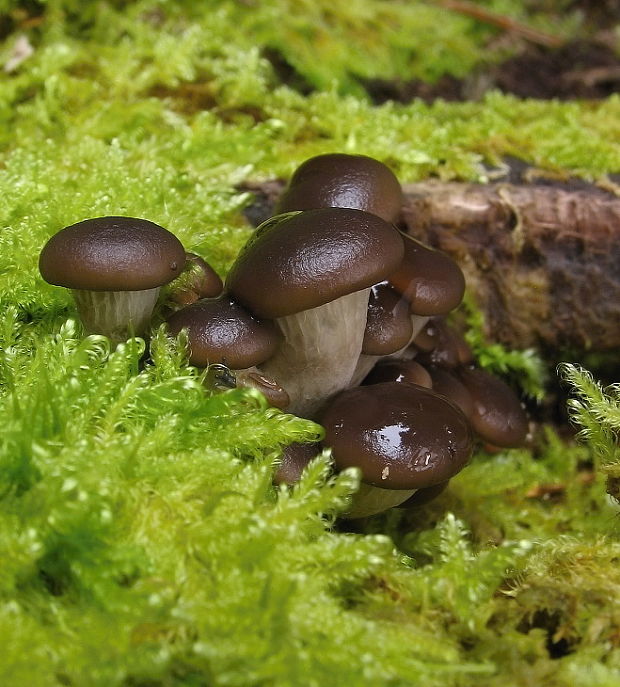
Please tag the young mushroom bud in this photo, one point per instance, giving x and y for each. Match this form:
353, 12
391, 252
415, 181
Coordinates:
403, 437
339, 180
115, 267
295, 459
399, 370
497, 416
450, 349
311, 272
198, 280
222, 332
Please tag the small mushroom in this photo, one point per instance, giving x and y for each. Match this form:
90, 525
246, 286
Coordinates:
388, 328
424, 496
403, 437
115, 267
295, 458
497, 417
344, 181
450, 349
448, 385
222, 332
311, 272
396, 370
198, 280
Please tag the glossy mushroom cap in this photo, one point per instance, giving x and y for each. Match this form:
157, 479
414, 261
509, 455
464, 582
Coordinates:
424, 496
295, 458
296, 262
344, 181
400, 435
497, 416
429, 279
112, 254
388, 324
392, 370
221, 331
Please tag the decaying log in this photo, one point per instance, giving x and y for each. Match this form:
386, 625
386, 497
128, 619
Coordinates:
542, 262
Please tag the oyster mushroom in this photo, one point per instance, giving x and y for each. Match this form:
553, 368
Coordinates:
198, 280
295, 458
344, 181
311, 272
222, 332
115, 267
401, 436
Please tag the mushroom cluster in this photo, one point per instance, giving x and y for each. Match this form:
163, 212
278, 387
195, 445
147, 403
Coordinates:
330, 311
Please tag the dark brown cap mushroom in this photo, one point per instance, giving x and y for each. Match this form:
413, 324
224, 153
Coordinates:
345, 181
400, 435
222, 331
388, 324
396, 370
450, 349
112, 254
273, 392
115, 267
198, 280
448, 385
424, 496
303, 260
295, 458
430, 280
497, 417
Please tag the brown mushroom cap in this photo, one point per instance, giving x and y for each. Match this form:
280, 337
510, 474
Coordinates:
296, 262
450, 350
497, 416
449, 386
112, 254
221, 331
424, 496
295, 458
388, 324
400, 435
344, 181
392, 370
430, 280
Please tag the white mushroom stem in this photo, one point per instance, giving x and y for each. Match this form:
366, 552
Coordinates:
370, 500
319, 353
365, 362
116, 314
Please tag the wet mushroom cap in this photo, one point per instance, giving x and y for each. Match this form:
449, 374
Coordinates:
388, 323
346, 181
497, 416
112, 254
424, 496
448, 385
450, 350
392, 370
430, 280
400, 435
299, 261
222, 331
295, 458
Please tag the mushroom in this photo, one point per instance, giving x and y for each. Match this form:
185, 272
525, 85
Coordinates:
295, 458
115, 267
424, 496
448, 385
430, 280
497, 416
396, 370
198, 280
388, 328
401, 436
344, 181
312, 272
222, 332
450, 349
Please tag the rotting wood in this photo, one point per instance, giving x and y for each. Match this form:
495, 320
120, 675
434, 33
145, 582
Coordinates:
541, 261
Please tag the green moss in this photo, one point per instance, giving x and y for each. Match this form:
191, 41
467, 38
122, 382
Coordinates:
142, 541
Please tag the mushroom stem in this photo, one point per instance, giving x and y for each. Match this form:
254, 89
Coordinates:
320, 351
365, 362
116, 314
370, 500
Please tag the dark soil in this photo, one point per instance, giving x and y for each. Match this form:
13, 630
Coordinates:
577, 70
